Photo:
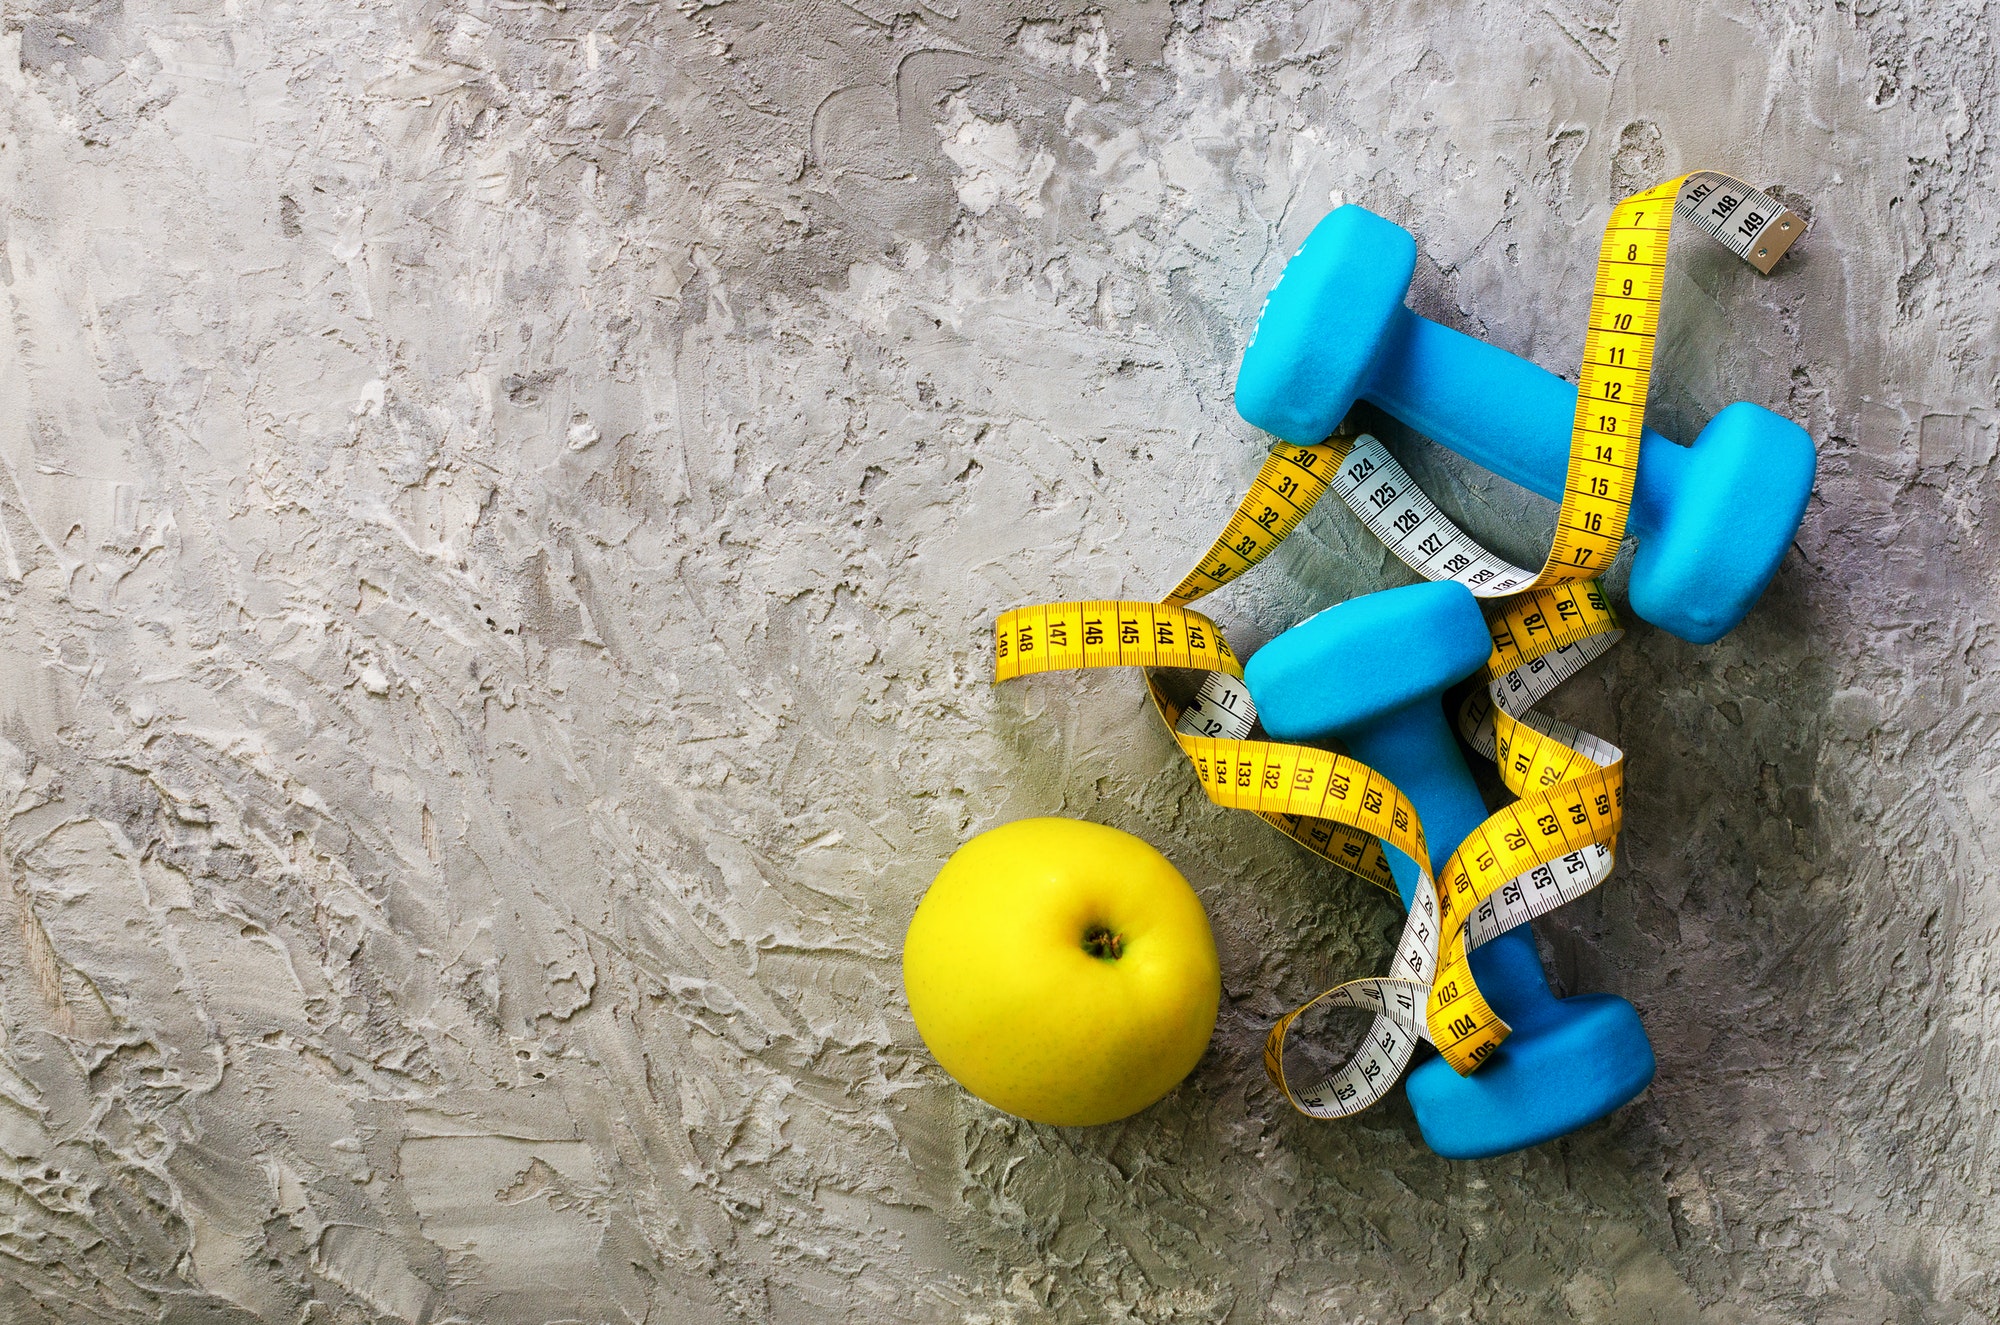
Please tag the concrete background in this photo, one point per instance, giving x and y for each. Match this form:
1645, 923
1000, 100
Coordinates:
503, 504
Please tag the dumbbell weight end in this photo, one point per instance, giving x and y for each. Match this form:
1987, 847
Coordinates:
1713, 520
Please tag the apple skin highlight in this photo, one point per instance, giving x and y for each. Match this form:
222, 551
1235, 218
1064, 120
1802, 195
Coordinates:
1008, 996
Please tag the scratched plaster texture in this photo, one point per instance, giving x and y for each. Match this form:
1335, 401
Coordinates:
503, 507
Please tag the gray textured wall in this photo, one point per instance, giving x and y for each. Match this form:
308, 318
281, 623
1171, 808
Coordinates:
502, 508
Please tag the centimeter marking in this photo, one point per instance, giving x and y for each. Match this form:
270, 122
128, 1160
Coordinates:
1291, 480
1541, 890
1611, 388
1272, 777
1221, 707
1104, 633
1397, 511
1748, 222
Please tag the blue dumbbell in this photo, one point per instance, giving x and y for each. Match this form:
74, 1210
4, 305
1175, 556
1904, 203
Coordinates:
1372, 672
1713, 520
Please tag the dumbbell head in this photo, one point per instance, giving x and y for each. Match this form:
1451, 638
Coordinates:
1367, 660
1298, 381
1711, 538
1581, 1059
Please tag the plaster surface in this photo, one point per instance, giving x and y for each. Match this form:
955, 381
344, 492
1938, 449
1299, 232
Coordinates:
501, 509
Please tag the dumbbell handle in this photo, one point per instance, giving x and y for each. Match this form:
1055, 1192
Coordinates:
1504, 413
1414, 749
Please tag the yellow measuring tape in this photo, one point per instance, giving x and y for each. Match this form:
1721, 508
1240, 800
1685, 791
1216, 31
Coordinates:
1555, 841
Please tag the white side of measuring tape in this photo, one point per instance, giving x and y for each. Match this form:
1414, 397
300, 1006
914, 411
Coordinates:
1387, 500
1384, 497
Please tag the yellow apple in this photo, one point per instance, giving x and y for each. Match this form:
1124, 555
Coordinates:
1062, 971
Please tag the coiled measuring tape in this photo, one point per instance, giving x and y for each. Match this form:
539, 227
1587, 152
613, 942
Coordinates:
1555, 842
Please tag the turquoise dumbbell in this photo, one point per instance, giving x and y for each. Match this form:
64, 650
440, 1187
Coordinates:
1372, 672
1713, 520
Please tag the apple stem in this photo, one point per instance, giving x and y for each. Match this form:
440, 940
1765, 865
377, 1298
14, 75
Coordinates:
1103, 941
